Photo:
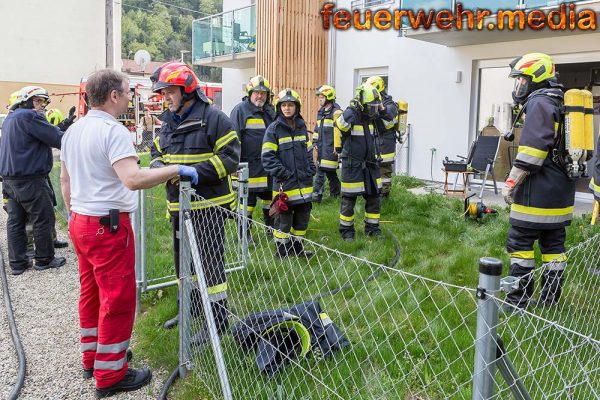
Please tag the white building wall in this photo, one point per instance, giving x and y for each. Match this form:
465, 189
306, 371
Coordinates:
234, 81
442, 112
55, 42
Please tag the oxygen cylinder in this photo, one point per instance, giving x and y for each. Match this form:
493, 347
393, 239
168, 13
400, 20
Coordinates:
588, 105
575, 140
337, 135
402, 117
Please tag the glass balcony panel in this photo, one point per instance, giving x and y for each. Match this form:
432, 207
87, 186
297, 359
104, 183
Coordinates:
224, 34
426, 5
493, 6
531, 4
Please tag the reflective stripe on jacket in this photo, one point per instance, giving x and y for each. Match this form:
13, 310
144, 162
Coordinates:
205, 140
386, 128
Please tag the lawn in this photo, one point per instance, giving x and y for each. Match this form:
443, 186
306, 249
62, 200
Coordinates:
411, 337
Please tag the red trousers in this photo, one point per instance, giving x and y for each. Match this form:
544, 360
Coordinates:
107, 297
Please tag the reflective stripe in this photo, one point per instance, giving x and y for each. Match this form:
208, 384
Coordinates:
219, 167
112, 348
594, 188
315, 136
156, 159
386, 180
83, 347
369, 215
358, 130
531, 155
217, 288
258, 182
300, 139
372, 218
353, 187
186, 158
268, 146
89, 331
225, 140
379, 183
285, 139
389, 157
297, 194
249, 210
527, 254
213, 298
346, 221
198, 205
328, 164
525, 263
157, 144
388, 124
555, 266
325, 320
297, 233
255, 123
110, 365
546, 258
541, 215
281, 237
342, 124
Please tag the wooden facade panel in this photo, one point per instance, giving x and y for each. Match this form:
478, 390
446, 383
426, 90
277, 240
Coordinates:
292, 49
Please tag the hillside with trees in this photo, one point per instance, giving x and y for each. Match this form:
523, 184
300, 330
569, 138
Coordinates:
164, 28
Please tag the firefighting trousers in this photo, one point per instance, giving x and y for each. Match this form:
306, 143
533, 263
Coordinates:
519, 245
107, 296
29, 199
372, 215
334, 182
209, 228
386, 171
294, 221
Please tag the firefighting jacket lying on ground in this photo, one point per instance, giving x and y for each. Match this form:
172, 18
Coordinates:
280, 335
251, 122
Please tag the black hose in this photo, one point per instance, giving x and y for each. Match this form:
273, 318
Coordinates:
14, 393
168, 383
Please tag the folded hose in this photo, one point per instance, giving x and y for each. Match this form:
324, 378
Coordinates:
14, 393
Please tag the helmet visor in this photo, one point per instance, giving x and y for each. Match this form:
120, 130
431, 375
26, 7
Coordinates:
371, 109
521, 87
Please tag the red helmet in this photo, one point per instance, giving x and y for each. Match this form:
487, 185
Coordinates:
174, 74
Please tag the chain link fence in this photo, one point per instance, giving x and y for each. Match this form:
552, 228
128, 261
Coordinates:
337, 326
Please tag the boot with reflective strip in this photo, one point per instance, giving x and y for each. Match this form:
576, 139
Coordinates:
520, 298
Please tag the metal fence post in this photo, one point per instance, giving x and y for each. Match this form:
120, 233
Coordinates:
243, 196
490, 270
185, 274
143, 240
139, 277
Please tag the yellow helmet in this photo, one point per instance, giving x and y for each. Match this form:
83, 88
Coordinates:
368, 94
536, 66
327, 91
288, 95
54, 116
258, 83
378, 82
12, 99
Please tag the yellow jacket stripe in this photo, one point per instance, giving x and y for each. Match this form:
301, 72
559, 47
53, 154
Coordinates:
219, 167
157, 144
595, 188
255, 123
342, 124
531, 155
225, 140
297, 232
198, 205
389, 157
268, 146
186, 158
297, 194
541, 215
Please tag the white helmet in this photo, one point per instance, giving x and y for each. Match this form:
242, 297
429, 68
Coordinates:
29, 92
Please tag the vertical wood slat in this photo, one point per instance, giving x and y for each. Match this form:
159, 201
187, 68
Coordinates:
292, 49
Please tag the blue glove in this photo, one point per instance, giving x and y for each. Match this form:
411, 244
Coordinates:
184, 170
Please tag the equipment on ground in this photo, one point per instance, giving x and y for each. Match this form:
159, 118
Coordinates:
476, 209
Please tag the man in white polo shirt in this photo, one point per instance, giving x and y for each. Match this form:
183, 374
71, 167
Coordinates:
98, 176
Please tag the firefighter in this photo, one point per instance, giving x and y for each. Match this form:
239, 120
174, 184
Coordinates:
26, 160
250, 118
195, 133
327, 158
361, 160
538, 189
287, 157
386, 132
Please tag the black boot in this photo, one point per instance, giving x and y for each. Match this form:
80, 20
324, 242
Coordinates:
520, 298
551, 287
219, 310
55, 263
299, 249
284, 249
59, 244
134, 379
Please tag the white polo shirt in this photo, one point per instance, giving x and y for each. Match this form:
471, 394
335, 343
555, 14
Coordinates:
89, 149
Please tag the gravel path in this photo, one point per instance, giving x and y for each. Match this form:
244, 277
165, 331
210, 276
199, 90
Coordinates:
45, 306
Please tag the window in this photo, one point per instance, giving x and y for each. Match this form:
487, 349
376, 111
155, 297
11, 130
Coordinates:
358, 4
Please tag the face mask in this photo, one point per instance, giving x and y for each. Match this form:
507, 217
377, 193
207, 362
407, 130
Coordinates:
521, 89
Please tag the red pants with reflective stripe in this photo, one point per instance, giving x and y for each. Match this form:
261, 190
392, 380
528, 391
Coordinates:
107, 297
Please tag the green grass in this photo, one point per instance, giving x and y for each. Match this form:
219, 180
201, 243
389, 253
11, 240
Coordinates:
404, 331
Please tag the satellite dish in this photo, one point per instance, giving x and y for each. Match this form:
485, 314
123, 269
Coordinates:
142, 58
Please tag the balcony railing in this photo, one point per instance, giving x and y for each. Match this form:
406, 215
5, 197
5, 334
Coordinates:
493, 6
228, 33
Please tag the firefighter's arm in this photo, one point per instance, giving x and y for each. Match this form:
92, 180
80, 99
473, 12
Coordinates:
156, 154
595, 182
44, 131
226, 151
537, 138
270, 161
389, 116
235, 120
309, 155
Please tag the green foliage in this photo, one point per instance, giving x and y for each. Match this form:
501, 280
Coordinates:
164, 29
